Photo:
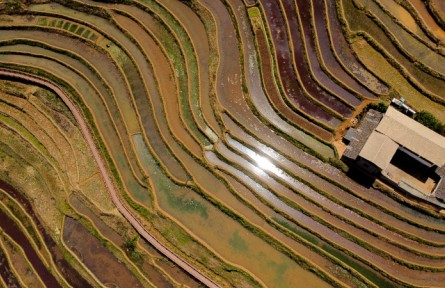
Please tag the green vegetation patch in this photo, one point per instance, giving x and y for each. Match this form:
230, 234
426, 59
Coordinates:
303, 234
80, 31
237, 242
42, 21
368, 273
429, 120
86, 33
66, 25
73, 27
186, 204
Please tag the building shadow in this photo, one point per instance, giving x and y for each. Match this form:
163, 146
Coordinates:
360, 177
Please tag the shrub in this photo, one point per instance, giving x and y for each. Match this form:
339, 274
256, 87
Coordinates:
429, 120
381, 107
337, 163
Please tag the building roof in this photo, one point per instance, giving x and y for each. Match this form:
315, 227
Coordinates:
379, 149
414, 136
351, 134
440, 189
361, 134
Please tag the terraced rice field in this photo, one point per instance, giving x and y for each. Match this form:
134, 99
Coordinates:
167, 143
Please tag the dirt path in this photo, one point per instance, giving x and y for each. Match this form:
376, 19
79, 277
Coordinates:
107, 179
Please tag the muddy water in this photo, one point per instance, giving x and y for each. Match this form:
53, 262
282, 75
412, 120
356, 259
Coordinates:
284, 60
10, 228
102, 117
328, 171
413, 48
347, 198
100, 261
319, 13
416, 75
19, 261
162, 71
343, 51
304, 11
6, 272
422, 11
198, 36
405, 18
335, 210
249, 187
388, 265
439, 8
68, 272
224, 234
256, 92
98, 60
157, 278
169, 267
273, 93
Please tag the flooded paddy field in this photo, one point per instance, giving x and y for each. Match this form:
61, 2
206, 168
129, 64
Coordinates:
274, 95
437, 9
167, 143
421, 12
97, 258
11, 229
346, 58
304, 12
6, 272
284, 57
319, 14
20, 263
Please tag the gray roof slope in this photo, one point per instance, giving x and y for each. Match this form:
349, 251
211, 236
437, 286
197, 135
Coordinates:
413, 135
361, 133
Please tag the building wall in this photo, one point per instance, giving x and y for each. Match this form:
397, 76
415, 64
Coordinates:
368, 166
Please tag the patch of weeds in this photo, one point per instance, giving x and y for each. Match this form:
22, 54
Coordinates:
66, 25
369, 274
73, 27
130, 248
80, 31
237, 242
299, 232
86, 33
187, 205
42, 21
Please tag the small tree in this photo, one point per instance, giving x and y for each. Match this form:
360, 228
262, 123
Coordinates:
381, 106
130, 244
429, 120
131, 251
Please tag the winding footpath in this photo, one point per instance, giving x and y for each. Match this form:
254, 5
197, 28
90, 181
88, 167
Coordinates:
107, 179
